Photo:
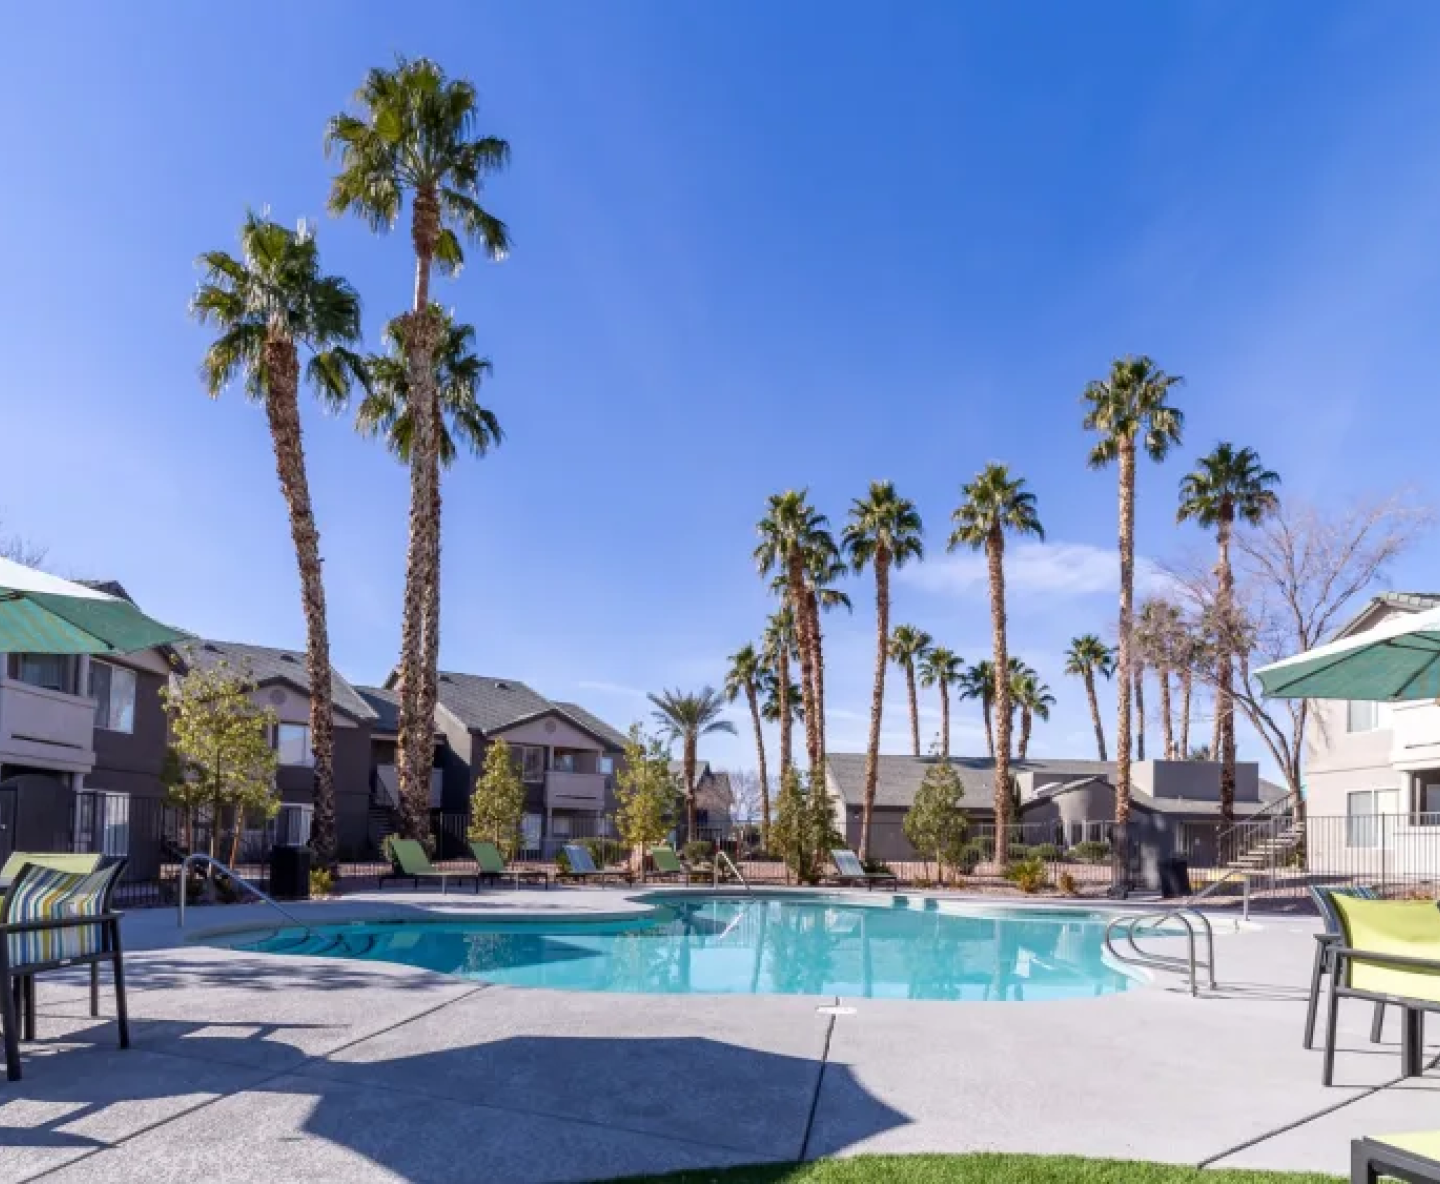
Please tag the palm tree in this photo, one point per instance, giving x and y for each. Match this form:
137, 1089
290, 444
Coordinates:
941, 668
385, 411
268, 305
1159, 637
416, 134
1227, 485
775, 693
1087, 657
1129, 406
883, 531
746, 676
908, 645
792, 534
686, 717
1137, 669
996, 504
779, 646
1035, 701
978, 682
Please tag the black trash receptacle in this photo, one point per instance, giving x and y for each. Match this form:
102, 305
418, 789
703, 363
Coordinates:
1175, 877
290, 873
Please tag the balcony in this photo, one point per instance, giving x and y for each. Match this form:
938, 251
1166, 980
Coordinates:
46, 729
387, 787
574, 791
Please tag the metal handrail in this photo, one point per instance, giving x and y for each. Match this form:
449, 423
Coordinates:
1134, 923
236, 878
720, 857
1268, 813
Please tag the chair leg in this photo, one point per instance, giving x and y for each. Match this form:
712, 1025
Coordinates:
1327, 1076
1316, 974
10, 1019
1377, 1024
1412, 1042
1362, 1171
94, 989
29, 994
122, 1014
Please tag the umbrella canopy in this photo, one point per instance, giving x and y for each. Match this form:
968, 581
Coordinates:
43, 614
1397, 660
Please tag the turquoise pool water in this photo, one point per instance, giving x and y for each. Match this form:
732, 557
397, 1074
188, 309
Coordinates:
896, 948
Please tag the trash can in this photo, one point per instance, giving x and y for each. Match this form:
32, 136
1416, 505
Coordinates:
1175, 877
290, 873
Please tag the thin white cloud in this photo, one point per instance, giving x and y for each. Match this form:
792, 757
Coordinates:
610, 688
1032, 569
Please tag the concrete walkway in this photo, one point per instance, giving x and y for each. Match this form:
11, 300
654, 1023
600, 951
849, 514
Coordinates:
249, 1067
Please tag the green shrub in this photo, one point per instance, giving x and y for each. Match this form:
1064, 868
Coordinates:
605, 852
1028, 875
875, 865
322, 882
1046, 851
1068, 885
562, 862
968, 856
1017, 851
1090, 852
697, 851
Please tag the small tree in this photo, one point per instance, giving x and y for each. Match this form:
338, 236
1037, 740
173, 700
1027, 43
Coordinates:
222, 740
804, 830
497, 807
184, 791
935, 824
645, 791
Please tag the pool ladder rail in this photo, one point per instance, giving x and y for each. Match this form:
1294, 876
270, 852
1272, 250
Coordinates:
235, 878
1130, 926
721, 857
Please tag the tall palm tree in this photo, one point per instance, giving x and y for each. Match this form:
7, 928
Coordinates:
823, 566
686, 716
1137, 670
940, 667
386, 412
996, 504
779, 646
415, 134
1087, 657
1129, 407
746, 676
791, 534
1035, 701
1229, 484
269, 305
883, 531
775, 693
909, 645
977, 682
1159, 640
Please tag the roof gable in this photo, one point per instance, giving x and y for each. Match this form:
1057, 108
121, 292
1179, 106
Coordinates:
268, 665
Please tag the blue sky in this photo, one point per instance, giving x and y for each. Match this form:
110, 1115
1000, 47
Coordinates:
756, 246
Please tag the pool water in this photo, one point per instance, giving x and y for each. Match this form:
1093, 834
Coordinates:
895, 948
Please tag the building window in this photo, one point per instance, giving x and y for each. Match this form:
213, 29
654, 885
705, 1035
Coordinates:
50, 671
102, 822
1362, 715
607, 765
560, 826
292, 742
531, 759
113, 689
564, 762
1427, 800
1366, 815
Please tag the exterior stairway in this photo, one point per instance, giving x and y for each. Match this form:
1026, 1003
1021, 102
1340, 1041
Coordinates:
1262, 846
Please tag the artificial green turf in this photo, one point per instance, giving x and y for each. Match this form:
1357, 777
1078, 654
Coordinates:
979, 1169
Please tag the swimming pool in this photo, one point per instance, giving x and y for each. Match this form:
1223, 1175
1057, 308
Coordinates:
896, 948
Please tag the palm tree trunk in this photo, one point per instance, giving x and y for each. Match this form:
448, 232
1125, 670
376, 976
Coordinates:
1095, 713
1225, 699
430, 641
800, 606
1139, 668
782, 695
1123, 662
817, 672
995, 555
1166, 723
914, 706
754, 700
877, 692
1025, 722
1186, 683
945, 719
282, 408
987, 711
692, 817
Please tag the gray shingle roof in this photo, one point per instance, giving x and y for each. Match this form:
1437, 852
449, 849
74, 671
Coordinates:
1410, 602
385, 704
266, 664
593, 723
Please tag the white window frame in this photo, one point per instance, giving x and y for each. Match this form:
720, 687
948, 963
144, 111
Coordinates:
524, 754
606, 764
1365, 828
308, 760
105, 712
1361, 715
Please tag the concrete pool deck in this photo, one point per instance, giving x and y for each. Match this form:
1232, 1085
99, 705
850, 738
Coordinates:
248, 1066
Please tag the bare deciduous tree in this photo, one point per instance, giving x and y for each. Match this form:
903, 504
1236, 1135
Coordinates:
18, 549
745, 795
1301, 573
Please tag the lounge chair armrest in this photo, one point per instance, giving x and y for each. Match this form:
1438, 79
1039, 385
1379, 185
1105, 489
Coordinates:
57, 923
1396, 960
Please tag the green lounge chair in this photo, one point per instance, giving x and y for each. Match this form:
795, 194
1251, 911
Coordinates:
1332, 935
852, 871
408, 861
1413, 1158
1389, 952
492, 864
668, 864
582, 867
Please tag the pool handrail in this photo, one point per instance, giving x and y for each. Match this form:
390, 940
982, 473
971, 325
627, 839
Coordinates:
721, 857
1134, 923
236, 878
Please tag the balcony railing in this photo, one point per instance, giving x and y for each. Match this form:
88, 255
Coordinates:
574, 791
47, 728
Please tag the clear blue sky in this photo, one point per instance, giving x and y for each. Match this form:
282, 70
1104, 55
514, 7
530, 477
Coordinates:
756, 246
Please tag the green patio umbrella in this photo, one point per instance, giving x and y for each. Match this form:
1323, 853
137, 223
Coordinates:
1395, 661
43, 614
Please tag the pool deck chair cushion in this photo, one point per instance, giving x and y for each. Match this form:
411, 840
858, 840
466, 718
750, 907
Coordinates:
1324, 899
50, 920
1413, 1158
492, 865
1389, 952
852, 871
582, 867
667, 863
409, 862
60, 861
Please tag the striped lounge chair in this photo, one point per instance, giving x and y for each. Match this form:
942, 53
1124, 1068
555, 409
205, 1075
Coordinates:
52, 919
